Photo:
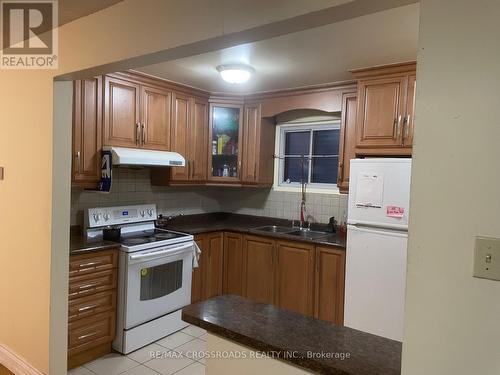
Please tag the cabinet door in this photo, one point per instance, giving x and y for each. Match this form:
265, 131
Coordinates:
198, 140
87, 126
381, 105
196, 283
121, 113
179, 134
233, 264
251, 144
156, 117
295, 277
330, 273
347, 139
213, 272
410, 111
225, 137
258, 269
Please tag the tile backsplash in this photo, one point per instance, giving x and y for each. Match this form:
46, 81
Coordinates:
132, 186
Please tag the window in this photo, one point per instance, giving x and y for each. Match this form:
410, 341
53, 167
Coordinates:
309, 152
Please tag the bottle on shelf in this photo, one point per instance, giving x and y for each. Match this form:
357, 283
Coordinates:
214, 147
225, 170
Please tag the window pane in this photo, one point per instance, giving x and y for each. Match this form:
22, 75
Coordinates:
326, 142
297, 143
293, 170
325, 170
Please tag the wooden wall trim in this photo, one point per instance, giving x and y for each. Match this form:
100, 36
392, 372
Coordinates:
382, 70
16, 364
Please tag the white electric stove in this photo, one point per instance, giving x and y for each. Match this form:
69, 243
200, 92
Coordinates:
155, 270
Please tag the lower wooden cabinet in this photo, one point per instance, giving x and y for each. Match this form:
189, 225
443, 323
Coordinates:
233, 264
329, 285
208, 277
295, 276
91, 305
259, 255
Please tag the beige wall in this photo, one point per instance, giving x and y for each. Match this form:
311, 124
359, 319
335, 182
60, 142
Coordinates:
452, 320
130, 28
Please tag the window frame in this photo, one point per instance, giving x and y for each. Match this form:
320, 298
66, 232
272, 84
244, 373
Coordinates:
281, 130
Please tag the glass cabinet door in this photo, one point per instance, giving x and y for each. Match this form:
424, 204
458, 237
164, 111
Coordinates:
225, 129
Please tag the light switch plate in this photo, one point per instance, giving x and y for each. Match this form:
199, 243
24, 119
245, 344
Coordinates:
487, 258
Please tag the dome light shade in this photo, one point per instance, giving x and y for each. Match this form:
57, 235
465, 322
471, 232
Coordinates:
235, 73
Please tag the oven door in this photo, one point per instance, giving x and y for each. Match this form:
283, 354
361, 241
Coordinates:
158, 282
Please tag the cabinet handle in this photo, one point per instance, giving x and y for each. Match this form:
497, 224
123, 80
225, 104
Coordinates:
87, 286
191, 168
339, 176
137, 133
406, 122
78, 166
397, 122
143, 132
88, 335
85, 308
90, 264
255, 171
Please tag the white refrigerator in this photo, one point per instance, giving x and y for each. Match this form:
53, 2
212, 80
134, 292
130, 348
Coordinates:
377, 234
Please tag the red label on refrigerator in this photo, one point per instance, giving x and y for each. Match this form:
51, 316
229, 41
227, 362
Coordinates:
395, 211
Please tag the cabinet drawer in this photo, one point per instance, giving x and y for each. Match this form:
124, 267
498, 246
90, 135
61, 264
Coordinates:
89, 332
93, 262
81, 286
91, 305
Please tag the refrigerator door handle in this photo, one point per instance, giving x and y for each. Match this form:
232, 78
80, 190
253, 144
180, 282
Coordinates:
377, 230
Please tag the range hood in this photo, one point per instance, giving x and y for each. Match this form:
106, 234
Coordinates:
140, 157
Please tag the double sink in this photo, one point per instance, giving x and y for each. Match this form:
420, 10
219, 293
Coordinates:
304, 233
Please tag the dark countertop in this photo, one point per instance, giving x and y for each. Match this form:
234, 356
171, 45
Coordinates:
270, 329
213, 222
222, 221
80, 244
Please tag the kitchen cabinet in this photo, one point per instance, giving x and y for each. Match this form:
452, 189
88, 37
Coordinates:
136, 115
225, 142
180, 141
198, 140
87, 132
384, 115
258, 146
207, 279
259, 255
295, 277
121, 113
233, 264
329, 284
91, 305
213, 277
347, 150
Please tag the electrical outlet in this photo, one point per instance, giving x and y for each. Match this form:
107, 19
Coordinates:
487, 258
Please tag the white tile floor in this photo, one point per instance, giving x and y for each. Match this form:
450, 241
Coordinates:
171, 357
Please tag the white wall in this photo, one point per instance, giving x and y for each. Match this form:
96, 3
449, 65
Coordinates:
452, 319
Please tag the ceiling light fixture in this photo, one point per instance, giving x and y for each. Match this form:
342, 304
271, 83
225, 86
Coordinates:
235, 73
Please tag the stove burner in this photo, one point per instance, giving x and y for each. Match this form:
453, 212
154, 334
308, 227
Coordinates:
164, 236
135, 241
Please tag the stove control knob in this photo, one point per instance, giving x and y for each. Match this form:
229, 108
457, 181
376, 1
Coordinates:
142, 213
106, 216
96, 217
150, 212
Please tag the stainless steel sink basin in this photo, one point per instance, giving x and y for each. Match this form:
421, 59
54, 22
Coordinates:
274, 229
308, 233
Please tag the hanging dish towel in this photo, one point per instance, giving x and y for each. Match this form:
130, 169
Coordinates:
106, 171
196, 255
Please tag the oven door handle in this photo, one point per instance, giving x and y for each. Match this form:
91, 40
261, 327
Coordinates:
155, 254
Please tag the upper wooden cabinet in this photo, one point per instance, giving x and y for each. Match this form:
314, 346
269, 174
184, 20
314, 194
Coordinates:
384, 115
258, 146
347, 149
156, 114
121, 113
87, 132
180, 129
295, 276
136, 115
198, 140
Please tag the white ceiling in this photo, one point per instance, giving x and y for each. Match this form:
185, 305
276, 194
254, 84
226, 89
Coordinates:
315, 56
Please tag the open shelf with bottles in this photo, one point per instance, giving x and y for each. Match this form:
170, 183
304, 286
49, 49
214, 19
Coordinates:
225, 142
